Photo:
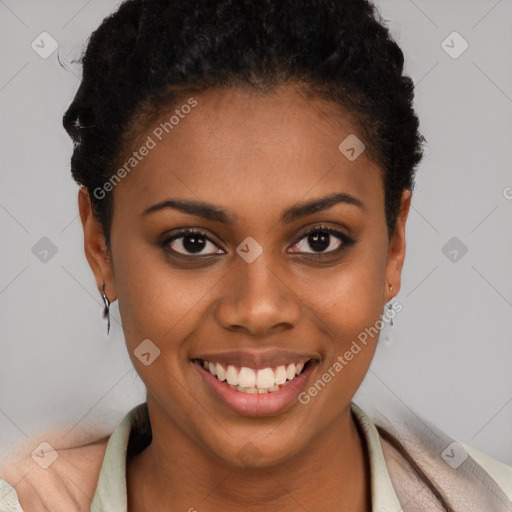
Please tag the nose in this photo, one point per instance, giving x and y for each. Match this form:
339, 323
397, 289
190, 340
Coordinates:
258, 299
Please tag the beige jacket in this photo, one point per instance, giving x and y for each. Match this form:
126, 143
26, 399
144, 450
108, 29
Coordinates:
414, 467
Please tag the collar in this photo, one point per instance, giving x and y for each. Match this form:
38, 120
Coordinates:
111, 495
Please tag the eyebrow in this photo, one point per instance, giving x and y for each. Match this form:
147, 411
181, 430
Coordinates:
211, 212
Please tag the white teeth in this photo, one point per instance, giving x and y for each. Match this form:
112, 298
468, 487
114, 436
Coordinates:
248, 380
232, 376
290, 371
221, 374
246, 377
265, 378
280, 375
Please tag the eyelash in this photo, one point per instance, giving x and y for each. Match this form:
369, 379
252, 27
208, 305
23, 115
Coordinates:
346, 241
183, 233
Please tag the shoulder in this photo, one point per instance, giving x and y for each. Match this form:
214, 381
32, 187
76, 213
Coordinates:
414, 446
70, 479
500, 472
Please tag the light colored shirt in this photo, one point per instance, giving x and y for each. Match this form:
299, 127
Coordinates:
111, 495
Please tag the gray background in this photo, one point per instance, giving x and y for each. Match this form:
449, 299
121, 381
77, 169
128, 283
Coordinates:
449, 353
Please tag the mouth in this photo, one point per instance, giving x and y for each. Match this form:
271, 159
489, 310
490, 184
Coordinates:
256, 388
254, 380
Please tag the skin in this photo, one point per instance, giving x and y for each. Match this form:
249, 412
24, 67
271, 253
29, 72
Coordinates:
254, 156
67, 484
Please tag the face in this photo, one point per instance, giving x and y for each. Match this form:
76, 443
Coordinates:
268, 276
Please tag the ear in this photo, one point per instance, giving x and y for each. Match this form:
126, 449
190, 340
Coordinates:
396, 254
94, 246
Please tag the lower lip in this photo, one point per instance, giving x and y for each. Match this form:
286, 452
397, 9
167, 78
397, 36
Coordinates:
256, 404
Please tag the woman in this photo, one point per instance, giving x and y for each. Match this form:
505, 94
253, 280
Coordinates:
246, 172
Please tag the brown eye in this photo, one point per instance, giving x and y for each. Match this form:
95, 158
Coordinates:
322, 240
191, 243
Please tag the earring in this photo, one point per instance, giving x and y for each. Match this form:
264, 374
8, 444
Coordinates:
390, 307
106, 310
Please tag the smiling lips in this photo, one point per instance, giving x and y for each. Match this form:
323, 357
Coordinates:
251, 380
257, 382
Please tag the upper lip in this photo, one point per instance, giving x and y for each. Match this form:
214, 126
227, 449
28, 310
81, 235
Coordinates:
257, 359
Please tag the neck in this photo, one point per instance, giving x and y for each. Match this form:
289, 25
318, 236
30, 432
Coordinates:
173, 473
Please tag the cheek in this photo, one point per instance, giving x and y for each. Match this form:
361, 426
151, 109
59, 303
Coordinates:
347, 302
156, 301
347, 298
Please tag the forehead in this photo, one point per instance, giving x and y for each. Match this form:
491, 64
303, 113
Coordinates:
238, 146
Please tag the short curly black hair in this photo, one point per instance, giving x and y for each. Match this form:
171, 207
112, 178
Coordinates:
150, 53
